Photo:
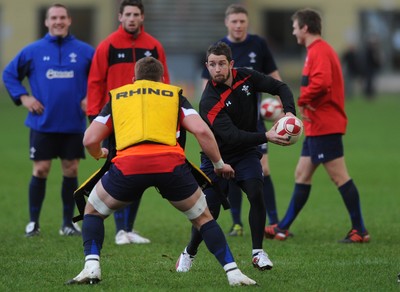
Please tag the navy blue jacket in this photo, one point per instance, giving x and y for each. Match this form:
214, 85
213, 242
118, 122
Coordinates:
252, 53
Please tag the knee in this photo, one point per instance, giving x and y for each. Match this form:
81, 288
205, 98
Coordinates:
265, 165
41, 171
255, 197
70, 168
266, 170
204, 218
95, 206
198, 209
301, 177
72, 173
90, 210
340, 180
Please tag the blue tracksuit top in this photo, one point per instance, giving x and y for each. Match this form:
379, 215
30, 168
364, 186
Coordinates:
57, 70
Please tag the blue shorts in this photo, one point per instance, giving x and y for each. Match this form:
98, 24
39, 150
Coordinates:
246, 166
47, 146
173, 186
323, 148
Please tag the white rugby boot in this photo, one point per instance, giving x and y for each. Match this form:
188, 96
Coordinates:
134, 237
236, 277
184, 262
91, 273
261, 261
122, 237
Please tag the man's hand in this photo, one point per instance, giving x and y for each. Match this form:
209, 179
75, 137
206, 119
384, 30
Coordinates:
32, 104
304, 116
84, 104
103, 153
226, 171
274, 137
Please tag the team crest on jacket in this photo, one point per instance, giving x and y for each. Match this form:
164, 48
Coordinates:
252, 56
72, 57
245, 88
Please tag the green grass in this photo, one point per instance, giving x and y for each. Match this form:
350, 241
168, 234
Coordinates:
311, 261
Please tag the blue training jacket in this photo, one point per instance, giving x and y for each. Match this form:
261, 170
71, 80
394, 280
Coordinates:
57, 70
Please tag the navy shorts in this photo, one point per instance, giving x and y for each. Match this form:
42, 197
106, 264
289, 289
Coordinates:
323, 148
47, 146
246, 166
173, 186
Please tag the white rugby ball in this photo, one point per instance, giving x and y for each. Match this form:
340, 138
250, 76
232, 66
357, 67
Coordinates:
290, 127
270, 109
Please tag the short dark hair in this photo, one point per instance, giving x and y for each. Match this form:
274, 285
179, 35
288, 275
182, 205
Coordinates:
149, 68
57, 5
235, 9
137, 3
308, 17
220, 48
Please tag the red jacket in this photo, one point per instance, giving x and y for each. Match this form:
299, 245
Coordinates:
114, 62
322, 88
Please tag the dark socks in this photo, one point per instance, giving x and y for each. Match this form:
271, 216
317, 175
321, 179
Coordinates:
69, 185
299, 198
120, 217
92, 234
131, 216
269, 199
125, 217
37, 190
351, 199
195, 241
216, 243
235, 200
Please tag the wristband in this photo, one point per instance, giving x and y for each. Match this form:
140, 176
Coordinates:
219, 164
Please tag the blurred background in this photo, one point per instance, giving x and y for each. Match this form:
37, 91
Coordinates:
187, 27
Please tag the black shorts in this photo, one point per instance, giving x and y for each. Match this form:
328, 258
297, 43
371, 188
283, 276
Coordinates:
173, 186
47, 146
323, 148
247, 166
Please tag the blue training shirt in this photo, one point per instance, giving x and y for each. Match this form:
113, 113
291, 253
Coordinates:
252, 53
57, 70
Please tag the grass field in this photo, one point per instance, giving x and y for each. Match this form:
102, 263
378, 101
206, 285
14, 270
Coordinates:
311, 261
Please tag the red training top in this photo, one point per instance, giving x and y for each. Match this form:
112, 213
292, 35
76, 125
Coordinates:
114, 62
322, 87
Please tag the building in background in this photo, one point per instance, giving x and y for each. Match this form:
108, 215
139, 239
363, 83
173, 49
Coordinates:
345, 22
22, 22
187, 27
